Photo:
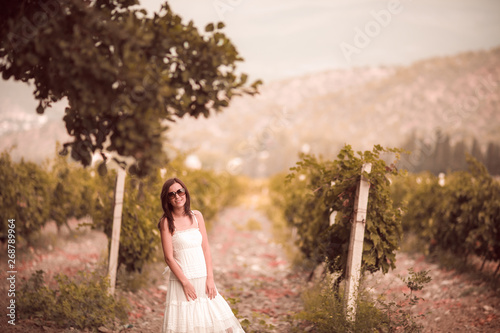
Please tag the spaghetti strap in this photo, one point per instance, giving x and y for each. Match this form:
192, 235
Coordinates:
192, 212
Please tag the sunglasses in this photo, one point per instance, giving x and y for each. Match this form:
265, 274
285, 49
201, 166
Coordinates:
180, 192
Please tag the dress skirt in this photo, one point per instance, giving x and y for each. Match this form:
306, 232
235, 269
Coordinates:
202, 315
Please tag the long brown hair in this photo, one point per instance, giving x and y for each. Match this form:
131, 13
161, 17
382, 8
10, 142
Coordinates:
167, 206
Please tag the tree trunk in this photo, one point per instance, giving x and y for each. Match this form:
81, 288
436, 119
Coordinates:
482, 265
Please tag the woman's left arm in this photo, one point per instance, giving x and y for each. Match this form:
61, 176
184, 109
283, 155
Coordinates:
210, 288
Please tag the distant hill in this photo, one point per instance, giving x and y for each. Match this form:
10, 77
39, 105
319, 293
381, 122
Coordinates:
459, 95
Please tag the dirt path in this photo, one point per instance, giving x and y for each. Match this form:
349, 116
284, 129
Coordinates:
252, 268
251, 272
453, 302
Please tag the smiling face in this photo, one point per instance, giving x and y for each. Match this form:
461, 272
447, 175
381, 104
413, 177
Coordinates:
179, 199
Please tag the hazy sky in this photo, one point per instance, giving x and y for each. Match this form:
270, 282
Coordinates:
284, 38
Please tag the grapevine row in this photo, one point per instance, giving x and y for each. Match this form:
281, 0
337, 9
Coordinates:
58, 190
459, 214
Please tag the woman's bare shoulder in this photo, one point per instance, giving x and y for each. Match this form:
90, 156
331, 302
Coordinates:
163, 224
197, 212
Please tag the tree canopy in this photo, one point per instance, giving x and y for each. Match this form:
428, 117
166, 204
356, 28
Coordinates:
125, 74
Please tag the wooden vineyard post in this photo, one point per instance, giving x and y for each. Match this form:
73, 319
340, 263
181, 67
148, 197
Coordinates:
354, 256
115, 236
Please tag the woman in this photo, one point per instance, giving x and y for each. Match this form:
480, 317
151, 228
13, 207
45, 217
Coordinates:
193, 303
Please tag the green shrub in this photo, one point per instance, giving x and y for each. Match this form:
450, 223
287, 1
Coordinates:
35, 299
398, 315
71, 190
461, 216
317, 188
24, 196
82, 302
324, 308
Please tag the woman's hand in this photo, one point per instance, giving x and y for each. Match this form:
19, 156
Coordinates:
189, 291
210, 288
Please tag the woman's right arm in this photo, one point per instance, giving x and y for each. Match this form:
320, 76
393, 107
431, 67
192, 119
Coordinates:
168, 252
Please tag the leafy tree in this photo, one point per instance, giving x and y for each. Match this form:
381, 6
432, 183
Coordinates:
443, 154
70, 191
493, 158
458, 160
318, 188
476, 151
123, 73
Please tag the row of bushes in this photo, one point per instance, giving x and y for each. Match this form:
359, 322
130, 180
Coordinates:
58, 190
457, 213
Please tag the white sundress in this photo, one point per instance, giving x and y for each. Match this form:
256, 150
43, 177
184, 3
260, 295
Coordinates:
202, 315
